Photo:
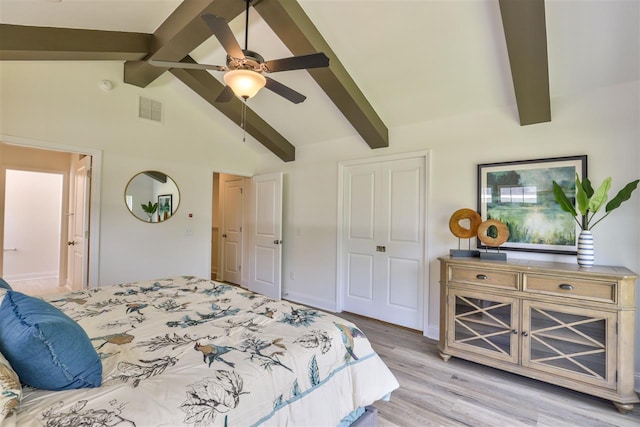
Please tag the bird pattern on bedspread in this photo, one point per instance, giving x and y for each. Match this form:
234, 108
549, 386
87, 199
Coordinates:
203, 339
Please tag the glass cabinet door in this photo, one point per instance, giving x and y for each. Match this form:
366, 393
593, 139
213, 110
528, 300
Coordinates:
575, 343
483, 324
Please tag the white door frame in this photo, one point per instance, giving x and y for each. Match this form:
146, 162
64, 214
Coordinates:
426, 155
95, 202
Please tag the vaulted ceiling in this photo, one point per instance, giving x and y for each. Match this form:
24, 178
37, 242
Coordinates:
392, 62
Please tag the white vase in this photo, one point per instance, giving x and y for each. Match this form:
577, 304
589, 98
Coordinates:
585, 249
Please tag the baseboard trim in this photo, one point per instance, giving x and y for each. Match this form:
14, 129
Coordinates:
432, 332
31, 276
322, 304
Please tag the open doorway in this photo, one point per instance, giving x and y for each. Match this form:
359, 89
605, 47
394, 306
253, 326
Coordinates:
246, 235
32, 229
44, 208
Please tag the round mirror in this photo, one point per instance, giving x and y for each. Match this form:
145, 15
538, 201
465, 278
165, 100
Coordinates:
152, 196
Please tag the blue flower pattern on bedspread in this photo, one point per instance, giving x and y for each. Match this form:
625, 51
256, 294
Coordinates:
153, 332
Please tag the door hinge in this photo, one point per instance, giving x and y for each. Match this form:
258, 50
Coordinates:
89, 173
616, 375
239, 268
241, 190
241, 229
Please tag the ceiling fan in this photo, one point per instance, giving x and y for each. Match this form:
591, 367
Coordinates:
245, 68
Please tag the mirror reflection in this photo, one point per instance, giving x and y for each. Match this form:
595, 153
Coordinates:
152, 196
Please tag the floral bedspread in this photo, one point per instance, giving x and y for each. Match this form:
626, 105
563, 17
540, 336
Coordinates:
188, 351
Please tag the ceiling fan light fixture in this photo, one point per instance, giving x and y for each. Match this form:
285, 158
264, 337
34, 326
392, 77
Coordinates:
244, 83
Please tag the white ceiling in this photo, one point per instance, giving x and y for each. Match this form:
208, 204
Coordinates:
414, 60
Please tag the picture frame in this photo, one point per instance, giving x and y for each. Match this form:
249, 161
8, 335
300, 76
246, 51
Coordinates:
520, 194
165, 204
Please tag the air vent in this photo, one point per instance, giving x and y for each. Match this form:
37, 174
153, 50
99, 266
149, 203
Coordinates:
150, 109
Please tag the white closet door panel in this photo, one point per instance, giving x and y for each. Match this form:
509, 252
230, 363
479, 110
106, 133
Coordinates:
360, 273
404, 283
361, 209
404, 203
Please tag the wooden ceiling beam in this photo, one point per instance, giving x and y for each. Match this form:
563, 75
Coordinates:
289, 21
526, 36
27, 43
182, 32
208, 87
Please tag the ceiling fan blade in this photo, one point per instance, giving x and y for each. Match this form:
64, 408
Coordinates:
314, 60
221, 30
187, 65
226, 95
284, 91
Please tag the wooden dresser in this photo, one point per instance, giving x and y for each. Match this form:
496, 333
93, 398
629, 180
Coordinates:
554, 322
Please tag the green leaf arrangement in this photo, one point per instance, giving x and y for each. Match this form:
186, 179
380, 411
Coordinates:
150, 208
590, 202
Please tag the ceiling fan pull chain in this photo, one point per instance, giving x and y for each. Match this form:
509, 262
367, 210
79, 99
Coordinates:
244, 121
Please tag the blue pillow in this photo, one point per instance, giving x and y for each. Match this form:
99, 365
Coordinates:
4, 284
45, 347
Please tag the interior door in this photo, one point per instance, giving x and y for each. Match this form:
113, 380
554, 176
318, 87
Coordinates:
266, 235
383, 240
232, 229
78, 242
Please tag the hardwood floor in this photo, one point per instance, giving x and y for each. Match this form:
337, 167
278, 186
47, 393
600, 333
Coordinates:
39, 287
461, 393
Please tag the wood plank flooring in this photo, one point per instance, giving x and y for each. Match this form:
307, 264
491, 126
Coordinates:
39, 287
461, 393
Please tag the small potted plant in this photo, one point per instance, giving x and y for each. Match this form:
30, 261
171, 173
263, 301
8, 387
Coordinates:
589, 204
150, 209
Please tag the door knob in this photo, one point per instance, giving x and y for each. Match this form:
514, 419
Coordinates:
277, 242
71, 243
224, 235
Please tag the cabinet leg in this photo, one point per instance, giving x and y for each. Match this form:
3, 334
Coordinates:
623, 408
446, 357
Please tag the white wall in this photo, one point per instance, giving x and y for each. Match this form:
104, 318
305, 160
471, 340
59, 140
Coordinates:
61, 103
603, 125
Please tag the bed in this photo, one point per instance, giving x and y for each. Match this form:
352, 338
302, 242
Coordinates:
189, 351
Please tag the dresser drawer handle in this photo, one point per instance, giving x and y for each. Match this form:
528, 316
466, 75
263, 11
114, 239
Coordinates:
566, 286
482, 277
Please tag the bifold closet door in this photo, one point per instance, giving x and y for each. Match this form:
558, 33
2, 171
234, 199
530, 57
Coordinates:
383, 240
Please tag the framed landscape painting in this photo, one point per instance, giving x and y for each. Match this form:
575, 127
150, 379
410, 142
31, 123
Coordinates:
520, 194
165, 204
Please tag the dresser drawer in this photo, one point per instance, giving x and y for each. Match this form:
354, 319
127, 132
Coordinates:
483, 276
571, 286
